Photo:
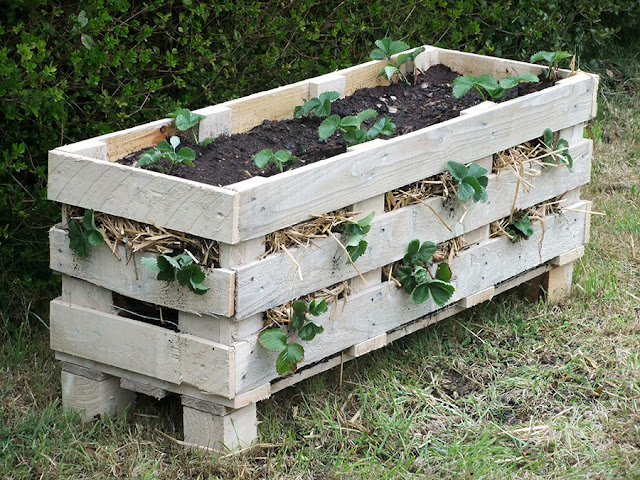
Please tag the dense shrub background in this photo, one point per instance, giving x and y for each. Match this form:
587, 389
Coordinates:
70, 71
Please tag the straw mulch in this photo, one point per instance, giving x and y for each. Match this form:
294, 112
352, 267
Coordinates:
537, 213
142, 237
281, 315
441, 185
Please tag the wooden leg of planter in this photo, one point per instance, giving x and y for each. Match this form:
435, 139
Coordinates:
374, 204
557, 282
219, 428
93, 393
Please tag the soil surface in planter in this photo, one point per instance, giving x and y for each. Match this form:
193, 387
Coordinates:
426, 101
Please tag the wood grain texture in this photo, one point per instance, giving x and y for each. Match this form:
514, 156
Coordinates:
104, 269
122, 143
139, 347
142, 195
94, 398
274, 280
473, 64
369, 170
386, 308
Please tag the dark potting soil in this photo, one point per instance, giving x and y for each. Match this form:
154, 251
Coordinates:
426, 101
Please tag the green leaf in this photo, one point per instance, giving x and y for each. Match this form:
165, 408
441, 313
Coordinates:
443, 272
319, 308
330, 95
389, 71
465, 191
297, 320
461, 85
174, 141
378, 54
477, 188
441, 291
355, 136
206, 141
350, 122
164, 147
547, 138
528, 77
150, 157
398, 46
365, 115
309, 330
524, 225
427, 250
309, 105
562, 143
414, 246
403, 58
299, 306
261, 159
406, 280
77, 241
476, 171
382, 126
185, 119
187, 155
356, 251
273, 339
366, 221
150, 263
421, 293
328, 126
198, 288
167, 275
546, 56
289, 358
94, 237
285, 156
88, 221
458, 170
420, 275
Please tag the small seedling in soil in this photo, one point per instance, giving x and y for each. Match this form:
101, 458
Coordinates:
278, 159
350, 126
320, 105
181, 267
186, 120
416, 278
386, 49
487, 86
559, 149
553, 59
472, 181
521, 226
290, 354
167, 150
82, 239
355, 233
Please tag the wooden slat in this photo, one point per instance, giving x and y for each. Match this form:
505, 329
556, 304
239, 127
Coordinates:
138, 347
104, 269
142, 195
472, 64
369, 170
274, 280
383, 309
122, 143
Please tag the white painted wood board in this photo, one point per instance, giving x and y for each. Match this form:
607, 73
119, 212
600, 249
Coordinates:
102, 268
274, 280
142, 195
369, 170
154, 351
386, 308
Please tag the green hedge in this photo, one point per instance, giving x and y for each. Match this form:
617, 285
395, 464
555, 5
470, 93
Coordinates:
70, 71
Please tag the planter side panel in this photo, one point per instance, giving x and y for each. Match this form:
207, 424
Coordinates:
375, 168
274, 280
104, 269
141, 348
141, 195
384, 308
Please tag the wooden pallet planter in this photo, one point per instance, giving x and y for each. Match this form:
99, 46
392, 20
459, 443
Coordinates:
214, 360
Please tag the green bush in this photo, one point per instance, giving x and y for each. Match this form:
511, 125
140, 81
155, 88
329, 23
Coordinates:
70, 71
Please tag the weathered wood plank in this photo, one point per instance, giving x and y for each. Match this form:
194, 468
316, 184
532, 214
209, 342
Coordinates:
104, 269
93, 397
472, 64
142, 195
369, 170
160, 353
376, 311
274, 280
122, 143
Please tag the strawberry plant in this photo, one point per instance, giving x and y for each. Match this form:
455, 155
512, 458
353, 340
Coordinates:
82, 238
416, 278
487, 86
520, 227
167, 150
353, 134
320, 105
472, 181
180, 267
558, 149
355, 233
386, 49
278, 159
185, 119
290, 354
553, 59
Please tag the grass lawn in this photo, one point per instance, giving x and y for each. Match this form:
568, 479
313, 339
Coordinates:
508, 389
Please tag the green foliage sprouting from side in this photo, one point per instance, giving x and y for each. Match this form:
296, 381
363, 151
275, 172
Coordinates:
180, 267
520, 227
472, 181
355, 233
290, 353
83, 237
416, 278
558, 149
553, 60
